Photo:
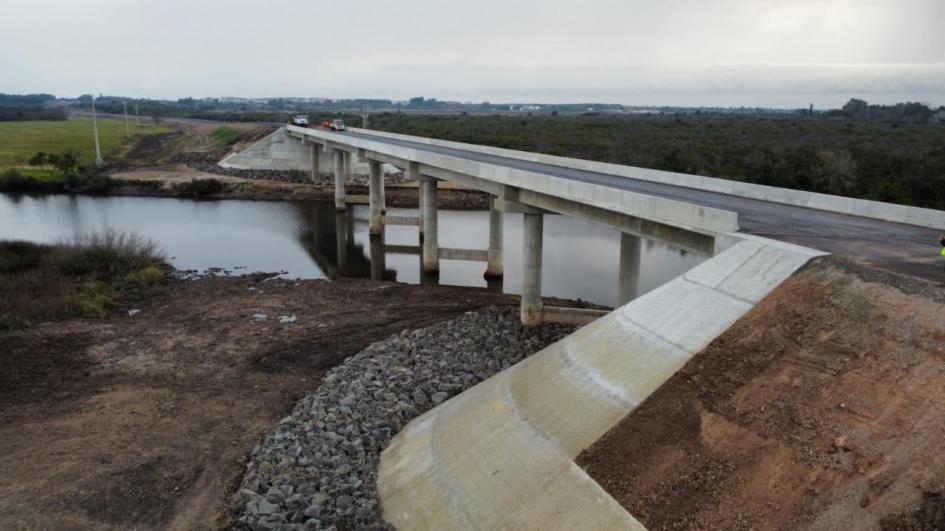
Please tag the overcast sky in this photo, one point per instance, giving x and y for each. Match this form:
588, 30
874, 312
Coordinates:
780, 53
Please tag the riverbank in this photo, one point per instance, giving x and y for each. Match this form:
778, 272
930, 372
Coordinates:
180, 159
820, 408
167, 182
145, 419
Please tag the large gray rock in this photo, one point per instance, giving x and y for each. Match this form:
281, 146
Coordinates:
317, 469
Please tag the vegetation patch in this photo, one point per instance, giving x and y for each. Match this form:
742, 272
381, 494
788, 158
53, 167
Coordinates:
22, 140
225, 136
200, 187
894, 161
83, 277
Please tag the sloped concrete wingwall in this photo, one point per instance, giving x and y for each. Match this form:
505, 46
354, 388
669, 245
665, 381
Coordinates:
500, 455
280, 152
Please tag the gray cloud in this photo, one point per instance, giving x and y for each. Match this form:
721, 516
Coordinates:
725, 52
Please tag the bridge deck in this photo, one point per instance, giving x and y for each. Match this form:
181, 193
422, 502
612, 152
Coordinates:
897, 247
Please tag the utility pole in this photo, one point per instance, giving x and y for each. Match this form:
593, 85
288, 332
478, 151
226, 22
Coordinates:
125, 105
98, 149
137, 117
364, 117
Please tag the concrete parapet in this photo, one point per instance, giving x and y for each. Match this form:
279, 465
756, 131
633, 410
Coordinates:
531, 420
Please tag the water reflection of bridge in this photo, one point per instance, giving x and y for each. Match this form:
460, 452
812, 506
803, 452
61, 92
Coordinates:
328, 237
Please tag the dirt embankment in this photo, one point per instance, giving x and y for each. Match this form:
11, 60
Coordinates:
822, 408
155, 165
145, 421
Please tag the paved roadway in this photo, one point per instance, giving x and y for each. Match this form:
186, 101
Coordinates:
896, 247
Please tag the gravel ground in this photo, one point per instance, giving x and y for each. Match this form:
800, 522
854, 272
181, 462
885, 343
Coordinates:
318, 468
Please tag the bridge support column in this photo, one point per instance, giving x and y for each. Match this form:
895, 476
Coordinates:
378, 258
413, 174
431, 249
316, 155
383, 183
347, 163
339, 179
376, 197
494, 267
629, 283
531, 271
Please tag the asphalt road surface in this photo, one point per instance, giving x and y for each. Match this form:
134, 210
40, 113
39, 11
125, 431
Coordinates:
896, 247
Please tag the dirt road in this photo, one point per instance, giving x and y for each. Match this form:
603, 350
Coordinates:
822, 408
145, 421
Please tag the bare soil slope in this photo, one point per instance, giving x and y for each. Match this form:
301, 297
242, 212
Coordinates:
145, 422
822, 408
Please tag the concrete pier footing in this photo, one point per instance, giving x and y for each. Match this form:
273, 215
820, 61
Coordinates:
431, 251
629, 281
339, 179
375, 195
494, 266
531, 269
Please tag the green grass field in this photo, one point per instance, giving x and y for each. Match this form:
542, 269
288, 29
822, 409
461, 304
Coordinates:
21, 140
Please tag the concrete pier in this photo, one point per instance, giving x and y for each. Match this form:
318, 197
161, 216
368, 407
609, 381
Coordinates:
413, 174
339, 179
378, 261
629, 283
533, 226
349, 174
383, 185
494, 267
431, 251
316, 156
376, 197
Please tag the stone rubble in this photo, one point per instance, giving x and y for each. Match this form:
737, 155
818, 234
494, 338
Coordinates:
318, 468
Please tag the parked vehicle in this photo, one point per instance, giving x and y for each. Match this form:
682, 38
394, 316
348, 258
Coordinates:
338, 124
300, 120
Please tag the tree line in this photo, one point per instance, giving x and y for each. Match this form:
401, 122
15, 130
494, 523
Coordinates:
897, 162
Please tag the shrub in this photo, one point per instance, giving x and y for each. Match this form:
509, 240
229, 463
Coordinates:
107, 254
93, 300
18, 256
83, 276
12, 322
13, 181
149, 275
200, 187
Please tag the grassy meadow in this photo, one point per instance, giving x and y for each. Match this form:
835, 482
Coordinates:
21, 140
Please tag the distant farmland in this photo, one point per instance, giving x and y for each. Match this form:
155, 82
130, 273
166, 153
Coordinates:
21, 140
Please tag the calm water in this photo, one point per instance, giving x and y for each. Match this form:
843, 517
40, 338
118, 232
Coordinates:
301, 238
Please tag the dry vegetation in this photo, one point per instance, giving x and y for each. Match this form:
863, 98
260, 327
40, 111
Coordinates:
81, 277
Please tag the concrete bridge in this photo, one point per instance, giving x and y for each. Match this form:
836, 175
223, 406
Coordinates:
534, 418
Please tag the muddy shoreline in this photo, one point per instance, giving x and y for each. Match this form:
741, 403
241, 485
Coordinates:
396, 196
146, 421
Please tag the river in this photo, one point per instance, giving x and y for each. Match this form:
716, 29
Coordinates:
300, 239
